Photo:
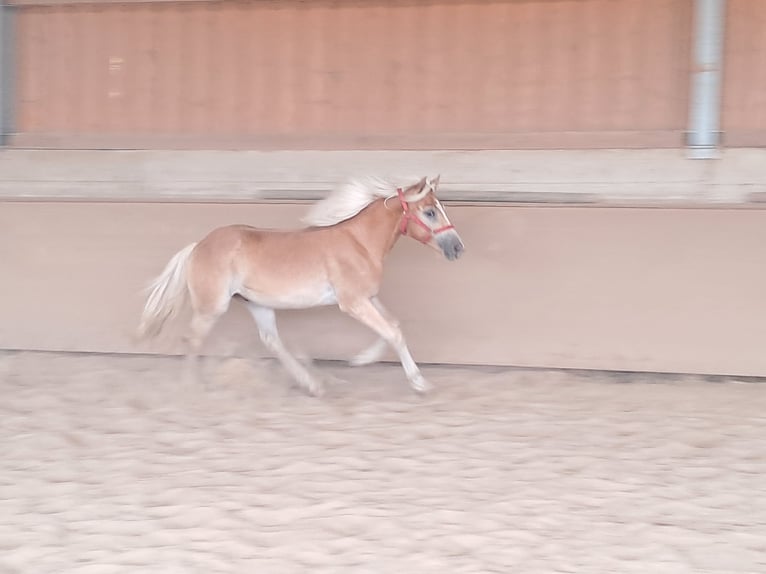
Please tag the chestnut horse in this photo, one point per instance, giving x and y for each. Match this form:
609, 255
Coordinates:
336, 261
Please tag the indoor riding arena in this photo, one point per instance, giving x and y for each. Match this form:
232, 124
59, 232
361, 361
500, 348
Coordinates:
596, 354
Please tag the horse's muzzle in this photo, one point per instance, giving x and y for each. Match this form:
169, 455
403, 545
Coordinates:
451, 245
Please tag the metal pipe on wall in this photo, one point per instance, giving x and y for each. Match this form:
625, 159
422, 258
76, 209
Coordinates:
6, 71
704, 135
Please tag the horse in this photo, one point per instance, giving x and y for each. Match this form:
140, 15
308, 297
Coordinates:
337, 259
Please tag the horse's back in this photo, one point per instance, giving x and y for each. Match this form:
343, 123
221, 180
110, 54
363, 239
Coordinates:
244, 247
232, 237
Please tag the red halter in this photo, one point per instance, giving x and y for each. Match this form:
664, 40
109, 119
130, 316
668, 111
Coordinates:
408, 216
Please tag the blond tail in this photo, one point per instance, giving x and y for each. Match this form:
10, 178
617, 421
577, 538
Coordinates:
167, 295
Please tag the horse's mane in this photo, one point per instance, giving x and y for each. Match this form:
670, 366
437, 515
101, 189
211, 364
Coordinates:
348, 199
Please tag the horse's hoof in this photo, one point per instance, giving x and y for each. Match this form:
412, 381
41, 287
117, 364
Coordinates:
421, 386
360, 361
315, 389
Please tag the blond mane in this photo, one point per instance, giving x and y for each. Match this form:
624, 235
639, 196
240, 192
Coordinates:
349, 199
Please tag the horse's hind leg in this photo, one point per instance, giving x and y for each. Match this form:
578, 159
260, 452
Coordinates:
266, 320
209, 302
201, 324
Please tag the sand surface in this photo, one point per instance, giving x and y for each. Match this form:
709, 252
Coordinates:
115, 464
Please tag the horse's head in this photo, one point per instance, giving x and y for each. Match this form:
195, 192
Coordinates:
424, 218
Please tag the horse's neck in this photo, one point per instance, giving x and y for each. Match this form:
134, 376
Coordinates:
377, 227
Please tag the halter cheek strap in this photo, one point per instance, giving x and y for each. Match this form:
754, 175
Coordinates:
408, 216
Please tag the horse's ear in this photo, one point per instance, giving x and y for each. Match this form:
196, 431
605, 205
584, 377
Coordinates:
435, 181
418, 187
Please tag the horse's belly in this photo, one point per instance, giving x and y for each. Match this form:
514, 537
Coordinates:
296, 298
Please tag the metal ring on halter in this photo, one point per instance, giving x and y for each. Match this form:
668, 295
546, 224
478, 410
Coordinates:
385, 201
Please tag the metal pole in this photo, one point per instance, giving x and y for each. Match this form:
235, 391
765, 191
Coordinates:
704, 135
6, 71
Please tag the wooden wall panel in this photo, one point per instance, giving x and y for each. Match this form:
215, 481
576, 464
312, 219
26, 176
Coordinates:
744, 90
402, 74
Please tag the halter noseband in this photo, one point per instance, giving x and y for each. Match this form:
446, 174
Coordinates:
408, 216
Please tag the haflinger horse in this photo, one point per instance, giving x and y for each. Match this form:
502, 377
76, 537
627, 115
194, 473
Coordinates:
337, 260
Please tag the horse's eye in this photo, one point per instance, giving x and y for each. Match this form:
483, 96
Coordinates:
429, 212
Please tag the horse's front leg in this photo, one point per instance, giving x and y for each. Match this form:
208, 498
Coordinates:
374, 352
366, 312
371, 354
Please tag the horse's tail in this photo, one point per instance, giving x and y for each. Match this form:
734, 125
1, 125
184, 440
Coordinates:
167, 294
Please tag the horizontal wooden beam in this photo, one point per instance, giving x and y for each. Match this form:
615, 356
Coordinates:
432, 141
607, 177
